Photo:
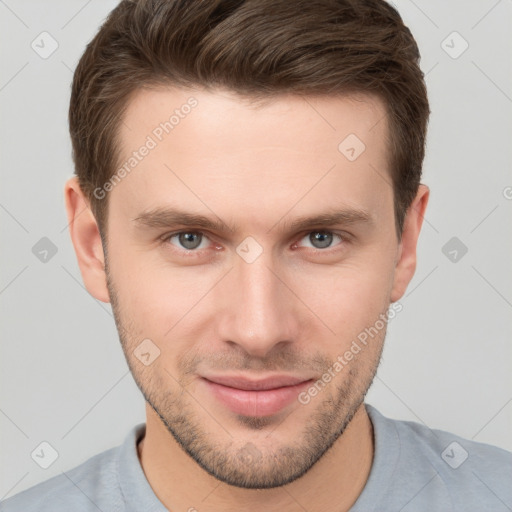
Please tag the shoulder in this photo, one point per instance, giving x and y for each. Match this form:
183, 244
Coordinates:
90, 486
452, 454
468, 475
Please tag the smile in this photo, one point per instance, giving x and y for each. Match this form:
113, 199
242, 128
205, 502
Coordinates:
255, 397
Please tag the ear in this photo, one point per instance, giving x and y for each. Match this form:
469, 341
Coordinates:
86, 239
406, 261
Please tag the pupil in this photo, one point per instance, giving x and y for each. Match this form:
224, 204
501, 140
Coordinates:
321, 238
187, 240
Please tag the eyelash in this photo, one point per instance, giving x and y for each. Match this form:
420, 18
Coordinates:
344, 239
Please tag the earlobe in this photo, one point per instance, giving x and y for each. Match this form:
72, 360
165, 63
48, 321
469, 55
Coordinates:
406, 262
86, 239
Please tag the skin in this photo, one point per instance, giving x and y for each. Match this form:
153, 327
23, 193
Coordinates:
294, 310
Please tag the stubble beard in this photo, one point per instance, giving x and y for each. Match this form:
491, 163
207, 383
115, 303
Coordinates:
247, 465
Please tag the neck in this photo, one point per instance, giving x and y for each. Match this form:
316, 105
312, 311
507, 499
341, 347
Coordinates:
333, 484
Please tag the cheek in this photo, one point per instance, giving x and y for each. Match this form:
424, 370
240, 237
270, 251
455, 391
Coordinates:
349, 298
154, 296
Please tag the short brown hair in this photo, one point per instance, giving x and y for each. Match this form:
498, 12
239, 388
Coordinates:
258, 49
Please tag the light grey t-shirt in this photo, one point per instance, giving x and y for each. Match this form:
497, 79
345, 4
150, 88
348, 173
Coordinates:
414, 469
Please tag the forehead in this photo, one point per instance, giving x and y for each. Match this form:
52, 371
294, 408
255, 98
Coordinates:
217, 112
209, 149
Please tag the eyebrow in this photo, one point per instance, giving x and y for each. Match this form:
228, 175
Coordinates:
168, 217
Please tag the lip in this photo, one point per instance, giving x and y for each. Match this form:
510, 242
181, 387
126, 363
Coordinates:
255, 397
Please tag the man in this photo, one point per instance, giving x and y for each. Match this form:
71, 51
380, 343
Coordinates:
248, 199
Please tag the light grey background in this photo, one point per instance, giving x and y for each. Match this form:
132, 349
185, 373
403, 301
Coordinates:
448, 355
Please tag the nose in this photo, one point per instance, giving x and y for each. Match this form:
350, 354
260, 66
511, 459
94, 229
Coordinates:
260, 311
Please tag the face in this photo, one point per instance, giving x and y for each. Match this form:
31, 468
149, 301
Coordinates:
247, 251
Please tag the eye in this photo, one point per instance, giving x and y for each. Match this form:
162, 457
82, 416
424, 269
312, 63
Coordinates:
322, 239
189, 240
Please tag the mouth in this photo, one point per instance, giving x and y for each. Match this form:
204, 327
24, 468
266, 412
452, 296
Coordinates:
255, 397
